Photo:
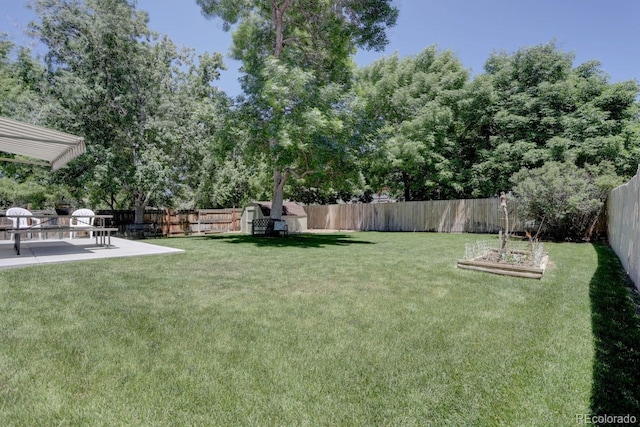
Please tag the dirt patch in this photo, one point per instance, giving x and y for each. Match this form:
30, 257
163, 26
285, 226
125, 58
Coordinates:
519, 258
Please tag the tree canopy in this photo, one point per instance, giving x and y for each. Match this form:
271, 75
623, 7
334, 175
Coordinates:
435, 134
409, 106
297, 62
125, 89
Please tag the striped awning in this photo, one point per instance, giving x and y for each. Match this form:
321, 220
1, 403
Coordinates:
52, 147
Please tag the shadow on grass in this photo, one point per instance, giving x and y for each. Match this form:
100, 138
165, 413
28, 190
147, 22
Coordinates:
294, 240
616, 329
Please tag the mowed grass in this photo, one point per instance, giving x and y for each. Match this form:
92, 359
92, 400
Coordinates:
337, 329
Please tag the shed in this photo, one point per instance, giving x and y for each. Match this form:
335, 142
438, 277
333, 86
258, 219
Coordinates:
293, 213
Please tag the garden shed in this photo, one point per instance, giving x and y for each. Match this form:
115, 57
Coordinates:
293, 213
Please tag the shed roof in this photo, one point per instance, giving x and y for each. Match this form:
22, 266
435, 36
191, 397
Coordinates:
55, 148
288, 208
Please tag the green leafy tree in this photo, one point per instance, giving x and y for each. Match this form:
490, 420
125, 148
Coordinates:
538, 108
227, 179
409, 118
297, 63
121, 86
24, 91
566, 199
194, 122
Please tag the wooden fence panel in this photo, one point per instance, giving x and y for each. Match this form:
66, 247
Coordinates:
623, 225
181, 222
217, 220
123, 217
446, 216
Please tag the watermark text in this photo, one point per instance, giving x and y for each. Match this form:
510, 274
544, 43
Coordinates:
606, 419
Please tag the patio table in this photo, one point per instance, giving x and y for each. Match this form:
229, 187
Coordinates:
62, 223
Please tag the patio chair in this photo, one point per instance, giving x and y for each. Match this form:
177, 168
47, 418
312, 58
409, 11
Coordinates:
22, 218
82, 218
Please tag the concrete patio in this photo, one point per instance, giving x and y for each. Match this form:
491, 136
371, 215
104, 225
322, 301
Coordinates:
33, 252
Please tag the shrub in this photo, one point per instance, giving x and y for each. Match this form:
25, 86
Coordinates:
567, 199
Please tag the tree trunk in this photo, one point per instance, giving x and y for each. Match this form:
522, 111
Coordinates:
140, 204
407, 190
278, 12
279, 179
589, 232
505, 237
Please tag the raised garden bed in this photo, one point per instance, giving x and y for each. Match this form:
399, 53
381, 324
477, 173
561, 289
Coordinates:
529, 262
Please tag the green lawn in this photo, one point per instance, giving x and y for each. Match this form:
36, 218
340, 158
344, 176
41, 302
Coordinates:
338, 329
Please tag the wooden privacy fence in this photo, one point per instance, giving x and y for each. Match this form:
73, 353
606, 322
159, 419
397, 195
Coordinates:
446, 216
623, 225
181, 222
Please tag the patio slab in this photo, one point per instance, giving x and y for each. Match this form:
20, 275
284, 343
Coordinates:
33, 252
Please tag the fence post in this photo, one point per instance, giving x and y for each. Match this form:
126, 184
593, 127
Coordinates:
167, 223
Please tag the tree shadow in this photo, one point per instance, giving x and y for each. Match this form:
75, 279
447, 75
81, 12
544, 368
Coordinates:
616, 329
304, 240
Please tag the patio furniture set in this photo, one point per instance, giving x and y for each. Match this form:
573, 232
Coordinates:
24, 222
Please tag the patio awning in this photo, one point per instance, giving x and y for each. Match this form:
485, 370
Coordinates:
54, 147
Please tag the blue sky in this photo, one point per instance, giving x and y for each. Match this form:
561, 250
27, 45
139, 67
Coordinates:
606, 30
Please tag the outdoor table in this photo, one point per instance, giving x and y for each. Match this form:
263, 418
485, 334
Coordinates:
62, 223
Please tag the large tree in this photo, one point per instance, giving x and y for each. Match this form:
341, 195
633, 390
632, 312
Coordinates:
408, 121
537, 108
123, 88
297, 61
